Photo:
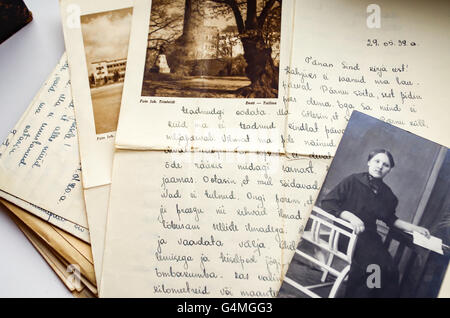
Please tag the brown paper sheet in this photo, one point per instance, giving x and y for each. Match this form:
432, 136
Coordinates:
81, 290
71, 249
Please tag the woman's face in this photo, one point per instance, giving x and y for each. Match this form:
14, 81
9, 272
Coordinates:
379, 165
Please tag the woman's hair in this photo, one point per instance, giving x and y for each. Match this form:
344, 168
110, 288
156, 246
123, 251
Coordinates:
387, 153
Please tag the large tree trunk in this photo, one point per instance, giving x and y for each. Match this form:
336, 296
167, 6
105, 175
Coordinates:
183, 49
187, 25
260, 69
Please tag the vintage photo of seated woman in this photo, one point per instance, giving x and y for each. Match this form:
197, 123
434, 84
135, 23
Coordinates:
361, 199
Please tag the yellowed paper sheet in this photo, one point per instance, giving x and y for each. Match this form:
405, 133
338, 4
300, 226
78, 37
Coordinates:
50, 249
54, 236
39, 162
59, 267
204, 224
97, 200
71, 249
51, 260
389, 60
74, 270
85, 293
82, 247
187, 85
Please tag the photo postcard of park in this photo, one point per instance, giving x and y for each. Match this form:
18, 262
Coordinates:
105, 38
207, 75
213, 49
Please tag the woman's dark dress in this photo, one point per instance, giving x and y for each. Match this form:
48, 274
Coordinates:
370, 200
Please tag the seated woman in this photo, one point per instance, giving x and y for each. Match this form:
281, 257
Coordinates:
362, 199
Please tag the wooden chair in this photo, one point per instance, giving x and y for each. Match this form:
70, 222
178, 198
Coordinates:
324, 231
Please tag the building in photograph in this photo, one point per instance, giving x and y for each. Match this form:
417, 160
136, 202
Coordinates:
211, 43
106, 71
205, 44
229, 44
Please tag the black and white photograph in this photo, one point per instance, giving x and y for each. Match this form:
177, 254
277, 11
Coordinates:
380, 227
213, 49
105, 37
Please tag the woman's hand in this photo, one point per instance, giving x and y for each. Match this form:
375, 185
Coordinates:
422, 231
356, 222
409, 227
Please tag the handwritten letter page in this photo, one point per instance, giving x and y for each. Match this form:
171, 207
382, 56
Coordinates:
342, 62
39, 162
204, 224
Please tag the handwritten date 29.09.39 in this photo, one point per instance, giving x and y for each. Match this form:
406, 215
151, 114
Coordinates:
399, 43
